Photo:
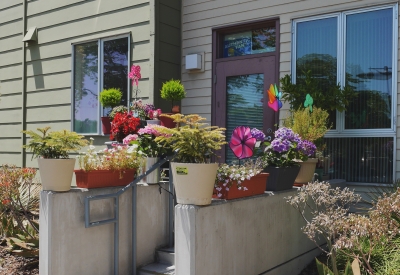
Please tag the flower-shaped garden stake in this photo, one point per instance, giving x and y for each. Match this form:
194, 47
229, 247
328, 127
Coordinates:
135, 75
242, 142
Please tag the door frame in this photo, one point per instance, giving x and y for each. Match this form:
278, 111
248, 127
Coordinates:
217, 42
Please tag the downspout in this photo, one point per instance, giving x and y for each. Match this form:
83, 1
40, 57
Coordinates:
23, 119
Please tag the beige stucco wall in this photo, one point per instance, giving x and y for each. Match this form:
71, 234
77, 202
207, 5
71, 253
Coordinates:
200, 16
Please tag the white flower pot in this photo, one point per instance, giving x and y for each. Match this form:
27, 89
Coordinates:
194, 182
307, 169
153, 177
56, 174
153, 121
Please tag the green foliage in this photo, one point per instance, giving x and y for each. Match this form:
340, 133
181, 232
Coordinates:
195, 142
331, 97
119, 109
19, 209
110, 97
55, 144
349, 270
173, 90
311, 126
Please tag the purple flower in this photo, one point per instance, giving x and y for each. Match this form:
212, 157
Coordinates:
280, 145
257, 134
286, 133
307, 147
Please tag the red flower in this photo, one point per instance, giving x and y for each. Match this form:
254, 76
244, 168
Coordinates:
124, 124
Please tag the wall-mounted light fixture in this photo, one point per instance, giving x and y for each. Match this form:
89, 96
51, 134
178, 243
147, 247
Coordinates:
31, 35
194, 62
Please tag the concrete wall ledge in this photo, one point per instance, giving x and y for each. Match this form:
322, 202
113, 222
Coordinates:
67, 247
253, 235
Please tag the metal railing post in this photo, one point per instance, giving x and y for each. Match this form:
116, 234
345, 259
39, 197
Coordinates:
171, 208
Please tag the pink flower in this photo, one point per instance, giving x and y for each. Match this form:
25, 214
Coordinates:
135, 75
129, 138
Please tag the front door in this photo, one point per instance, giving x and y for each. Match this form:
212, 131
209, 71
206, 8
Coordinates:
241, 96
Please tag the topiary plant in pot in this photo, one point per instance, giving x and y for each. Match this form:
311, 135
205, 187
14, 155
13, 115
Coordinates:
173, 91
52, 151
195, 144
109, 98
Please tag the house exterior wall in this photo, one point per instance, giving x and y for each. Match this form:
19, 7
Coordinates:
199, 17
41, 95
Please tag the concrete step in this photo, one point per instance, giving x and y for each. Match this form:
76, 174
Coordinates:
157, 269
166, 256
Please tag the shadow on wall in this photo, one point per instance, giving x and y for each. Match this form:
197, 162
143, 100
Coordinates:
36, 65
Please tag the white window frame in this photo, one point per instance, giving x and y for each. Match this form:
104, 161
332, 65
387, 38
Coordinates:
100, 81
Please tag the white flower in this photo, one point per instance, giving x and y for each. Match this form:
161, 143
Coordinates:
219, 195
227, 188
245, 189
92, 147
119, 147
91, 138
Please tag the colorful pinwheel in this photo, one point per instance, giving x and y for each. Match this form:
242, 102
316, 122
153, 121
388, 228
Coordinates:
309, 102
242, 142
135, 75
274, 98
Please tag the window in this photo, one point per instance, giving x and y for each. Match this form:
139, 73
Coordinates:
357, 49
98, 65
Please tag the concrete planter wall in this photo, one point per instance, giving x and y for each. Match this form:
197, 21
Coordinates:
67, 247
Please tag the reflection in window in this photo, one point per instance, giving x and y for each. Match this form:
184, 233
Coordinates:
114, 59
316, 51
244, 104
369, 56
250, 42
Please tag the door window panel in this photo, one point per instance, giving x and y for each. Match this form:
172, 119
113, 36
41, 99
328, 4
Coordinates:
244, 104
254, 41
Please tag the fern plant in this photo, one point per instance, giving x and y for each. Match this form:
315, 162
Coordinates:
55, 144
195, 142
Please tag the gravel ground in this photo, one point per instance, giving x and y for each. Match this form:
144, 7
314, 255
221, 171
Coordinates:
14, 265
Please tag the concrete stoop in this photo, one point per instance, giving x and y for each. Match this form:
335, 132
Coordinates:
165, 264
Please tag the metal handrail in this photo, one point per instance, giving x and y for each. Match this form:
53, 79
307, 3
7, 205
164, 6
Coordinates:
115, 219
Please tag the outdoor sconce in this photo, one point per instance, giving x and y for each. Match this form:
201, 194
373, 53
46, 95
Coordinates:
31, 35
195, 62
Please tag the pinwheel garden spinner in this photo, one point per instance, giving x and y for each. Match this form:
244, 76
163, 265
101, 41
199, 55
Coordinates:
274, 98
242, 142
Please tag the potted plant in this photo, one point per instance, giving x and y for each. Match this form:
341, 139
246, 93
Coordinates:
281, 158
109, 98
107, 167
51, 149
310, 126
149, 149
240, 180
123, 125
173, 91
146, 112
118, 109
194, 144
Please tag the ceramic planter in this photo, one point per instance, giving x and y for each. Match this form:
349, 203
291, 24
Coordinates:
152, 121
153, 177
281, 178
255, 186
167, 122
106, 125
194, 182
56, 174
306, 173
103, 178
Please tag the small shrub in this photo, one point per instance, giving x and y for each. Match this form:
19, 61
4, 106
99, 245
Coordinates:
110, 97
173, 90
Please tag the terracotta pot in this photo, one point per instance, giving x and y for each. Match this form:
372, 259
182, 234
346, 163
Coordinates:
194, 182
281, 178
175, 109
306, 173
56, 174
106, 125
167, 122
103, 178
255, 186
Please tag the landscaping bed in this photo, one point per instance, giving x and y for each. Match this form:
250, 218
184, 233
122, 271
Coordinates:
11, 264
